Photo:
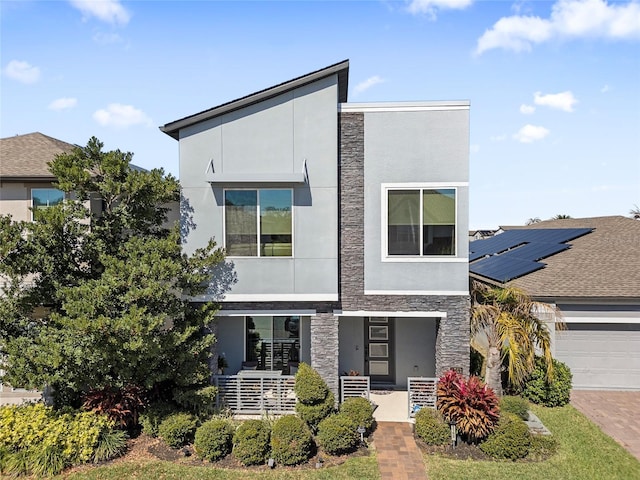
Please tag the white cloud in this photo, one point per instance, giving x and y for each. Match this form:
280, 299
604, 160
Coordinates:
605, 89
107, 38
498, 138
568, 19
562, 101
368, 83
109, 11
63, 103
118, 115
530, 133
430, 7
23, 72
527, 109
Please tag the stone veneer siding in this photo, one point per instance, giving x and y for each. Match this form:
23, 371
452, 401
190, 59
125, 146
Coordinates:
324, 349
452, 342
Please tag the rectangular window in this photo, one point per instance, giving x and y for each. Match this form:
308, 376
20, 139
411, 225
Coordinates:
258, 223
273, 343
421, 222
45, 197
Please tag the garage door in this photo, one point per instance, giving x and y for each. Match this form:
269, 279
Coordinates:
601, 356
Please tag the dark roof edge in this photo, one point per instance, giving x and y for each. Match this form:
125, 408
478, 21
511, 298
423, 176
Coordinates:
341, 69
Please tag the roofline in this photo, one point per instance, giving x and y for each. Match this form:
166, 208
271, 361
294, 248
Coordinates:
341, 69
405, 106
29, 178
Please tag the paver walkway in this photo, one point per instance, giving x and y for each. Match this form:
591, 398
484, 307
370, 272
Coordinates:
616, 413
399, 458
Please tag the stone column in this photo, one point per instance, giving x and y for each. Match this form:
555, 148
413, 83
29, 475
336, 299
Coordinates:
324, 349
452, 342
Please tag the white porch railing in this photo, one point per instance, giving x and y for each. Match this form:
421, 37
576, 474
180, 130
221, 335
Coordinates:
256, 394
351, 386
422, 393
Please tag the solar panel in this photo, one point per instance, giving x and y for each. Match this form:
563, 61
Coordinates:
514, 253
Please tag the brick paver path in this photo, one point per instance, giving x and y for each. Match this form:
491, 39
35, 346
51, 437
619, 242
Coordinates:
399, 458
616, 413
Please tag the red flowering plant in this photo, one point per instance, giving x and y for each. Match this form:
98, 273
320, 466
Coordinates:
469, 404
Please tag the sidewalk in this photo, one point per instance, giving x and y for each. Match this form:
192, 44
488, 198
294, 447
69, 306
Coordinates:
399, 458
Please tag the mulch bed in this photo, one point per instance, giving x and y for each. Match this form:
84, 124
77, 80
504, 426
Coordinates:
462, 451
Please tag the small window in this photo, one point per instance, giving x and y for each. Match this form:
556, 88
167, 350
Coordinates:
421, 222
258, 223
45, 197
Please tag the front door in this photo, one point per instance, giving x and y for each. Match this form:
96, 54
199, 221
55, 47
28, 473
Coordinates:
379, 356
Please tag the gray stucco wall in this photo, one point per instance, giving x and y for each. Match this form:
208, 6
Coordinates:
415, 348
273, 137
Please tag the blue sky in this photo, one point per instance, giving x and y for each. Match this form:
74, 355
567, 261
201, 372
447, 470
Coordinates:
554, 86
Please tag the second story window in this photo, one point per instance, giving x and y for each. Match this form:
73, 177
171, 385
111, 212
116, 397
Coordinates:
45, 197
258, 223
421, 222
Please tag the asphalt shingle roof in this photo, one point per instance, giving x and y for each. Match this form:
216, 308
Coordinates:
26, 156
602, 264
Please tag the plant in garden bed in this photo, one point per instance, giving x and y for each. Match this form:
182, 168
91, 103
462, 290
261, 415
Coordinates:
516, 405
470, 404
122, 405
214, 439
510, 440
360, 411
315, 400
337, 434
178, 429
431, 428
291, 441
550, 393
251, 442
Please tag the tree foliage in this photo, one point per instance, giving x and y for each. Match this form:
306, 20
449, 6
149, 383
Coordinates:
97, 298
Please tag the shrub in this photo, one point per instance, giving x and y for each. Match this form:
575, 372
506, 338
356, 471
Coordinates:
214, 439
337, 434
359, 410
310, 388
122, 405
550, 394
517, 405
201, 401
511, 439
177, 429
314, 414
431, 428
251, 442
542, 447
111, 444
470, 404
291, 440
153, 416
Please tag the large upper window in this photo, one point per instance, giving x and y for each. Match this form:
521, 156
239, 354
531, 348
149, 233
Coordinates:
258, 223
421, 222
45, 197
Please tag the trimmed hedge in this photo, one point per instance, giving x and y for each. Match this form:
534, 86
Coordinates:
315, 400
178, 429
337, 434
251, 442
431, 428
153, 416
214, 439
511, 439
517, 405
291, 440
359, 410
314, 414
553, 394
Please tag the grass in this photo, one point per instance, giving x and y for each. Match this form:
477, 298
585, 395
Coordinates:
354, 468
585, 453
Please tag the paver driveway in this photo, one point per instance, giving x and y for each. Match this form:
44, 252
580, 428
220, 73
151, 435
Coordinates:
616, 413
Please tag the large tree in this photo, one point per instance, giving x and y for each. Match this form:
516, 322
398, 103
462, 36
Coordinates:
507, 330
99, 298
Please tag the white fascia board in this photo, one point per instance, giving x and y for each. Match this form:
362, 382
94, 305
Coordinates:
281, 297
602, 320
263, 313
418, 292
371, 313
403, 106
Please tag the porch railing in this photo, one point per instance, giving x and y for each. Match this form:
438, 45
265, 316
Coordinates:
354, 387
254, 395
422, 393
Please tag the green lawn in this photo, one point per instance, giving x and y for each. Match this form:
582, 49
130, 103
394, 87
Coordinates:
585, 453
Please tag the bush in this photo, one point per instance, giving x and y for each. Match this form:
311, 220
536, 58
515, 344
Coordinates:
310, 387
153, 416
314, 414
251, 442
359, 410
178, 429
214, 439
200, 401
122, 405
517, 405
337, 434
291, 440
111, 444
511, 439
431, 428
550, 394
470, 404
542, 447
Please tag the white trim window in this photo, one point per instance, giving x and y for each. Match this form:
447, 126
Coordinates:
258, 222
44, 198
420, 222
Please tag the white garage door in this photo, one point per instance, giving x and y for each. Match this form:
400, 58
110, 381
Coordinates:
601, 356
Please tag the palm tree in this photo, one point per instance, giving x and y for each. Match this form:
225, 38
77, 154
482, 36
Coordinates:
561, 217
533, 220
635, 212
505, 328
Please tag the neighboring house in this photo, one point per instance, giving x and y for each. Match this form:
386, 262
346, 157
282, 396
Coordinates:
594, 280
345, 225
480, 234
